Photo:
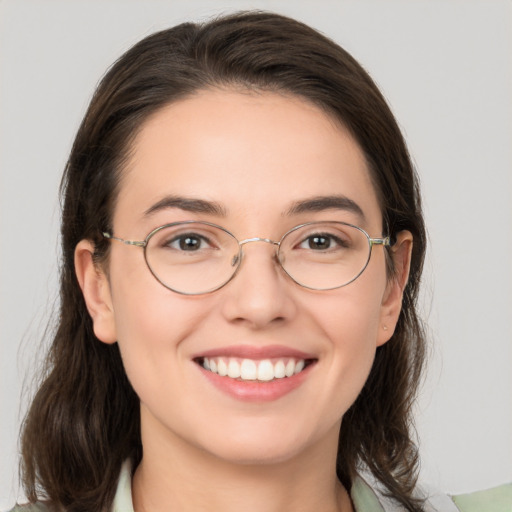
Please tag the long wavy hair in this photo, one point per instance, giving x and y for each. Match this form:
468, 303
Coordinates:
84, 420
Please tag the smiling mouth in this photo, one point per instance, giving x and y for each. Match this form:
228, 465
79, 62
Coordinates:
264, 370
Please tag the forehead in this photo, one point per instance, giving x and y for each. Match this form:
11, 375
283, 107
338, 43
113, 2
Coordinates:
249, 152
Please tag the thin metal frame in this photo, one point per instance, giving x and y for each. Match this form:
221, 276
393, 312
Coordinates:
384, 241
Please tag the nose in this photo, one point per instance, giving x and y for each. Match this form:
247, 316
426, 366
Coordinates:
260, 295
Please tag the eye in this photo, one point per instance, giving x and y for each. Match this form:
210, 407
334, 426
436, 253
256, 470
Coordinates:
190, 242
322, 242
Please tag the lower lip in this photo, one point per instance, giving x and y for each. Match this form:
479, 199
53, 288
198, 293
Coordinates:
256, 391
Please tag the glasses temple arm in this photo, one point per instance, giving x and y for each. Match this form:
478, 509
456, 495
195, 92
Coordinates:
127, 242
381, 241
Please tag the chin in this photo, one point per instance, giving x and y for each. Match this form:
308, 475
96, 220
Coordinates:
262, 446
258, 456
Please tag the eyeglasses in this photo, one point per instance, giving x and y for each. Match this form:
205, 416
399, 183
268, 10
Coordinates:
194, 258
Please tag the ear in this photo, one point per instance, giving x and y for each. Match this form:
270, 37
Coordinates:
96, 291
392, 300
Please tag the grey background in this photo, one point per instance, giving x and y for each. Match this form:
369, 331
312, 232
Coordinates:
445, 67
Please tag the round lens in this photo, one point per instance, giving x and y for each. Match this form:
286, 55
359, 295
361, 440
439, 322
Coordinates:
192, 257
324, 255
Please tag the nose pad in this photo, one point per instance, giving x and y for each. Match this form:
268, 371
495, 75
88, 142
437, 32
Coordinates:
236, 258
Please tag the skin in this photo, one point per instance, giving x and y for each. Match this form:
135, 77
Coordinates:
254, 154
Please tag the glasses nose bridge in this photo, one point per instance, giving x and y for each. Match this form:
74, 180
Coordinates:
275, 244
258, 239
241, 256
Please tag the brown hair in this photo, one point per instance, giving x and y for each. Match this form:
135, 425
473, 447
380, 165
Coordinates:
84, 420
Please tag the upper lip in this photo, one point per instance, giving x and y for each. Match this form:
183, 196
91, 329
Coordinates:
255, 352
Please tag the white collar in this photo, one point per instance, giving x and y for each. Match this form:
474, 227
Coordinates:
123, 498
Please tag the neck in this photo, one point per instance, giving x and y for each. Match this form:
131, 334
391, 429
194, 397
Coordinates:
176, 476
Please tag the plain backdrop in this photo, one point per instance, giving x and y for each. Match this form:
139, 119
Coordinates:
445, 67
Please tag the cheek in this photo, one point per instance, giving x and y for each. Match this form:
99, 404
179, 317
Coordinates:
351, 315
151, 323
352, 328
145, 311
350, 320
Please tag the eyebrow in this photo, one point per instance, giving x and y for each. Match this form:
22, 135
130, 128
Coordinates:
187, 204
321, 203
314, 204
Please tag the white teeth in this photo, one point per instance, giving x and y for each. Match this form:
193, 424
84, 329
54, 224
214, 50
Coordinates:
279, 370
290, 368
222, 368
233, 369
249, 369
265, 370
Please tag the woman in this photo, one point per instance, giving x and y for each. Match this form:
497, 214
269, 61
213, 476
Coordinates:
242, 248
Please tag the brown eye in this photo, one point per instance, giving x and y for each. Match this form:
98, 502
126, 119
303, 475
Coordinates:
322, 242
189, 242
319, 242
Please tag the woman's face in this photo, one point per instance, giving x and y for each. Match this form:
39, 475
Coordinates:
249, 162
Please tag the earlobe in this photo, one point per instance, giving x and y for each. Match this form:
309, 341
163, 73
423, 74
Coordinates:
392, 300
96, 291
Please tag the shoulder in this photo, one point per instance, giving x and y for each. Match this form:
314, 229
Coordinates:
367, 496
497, 499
